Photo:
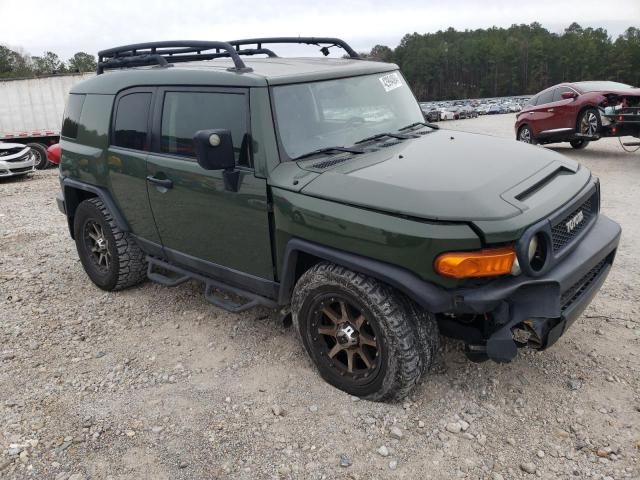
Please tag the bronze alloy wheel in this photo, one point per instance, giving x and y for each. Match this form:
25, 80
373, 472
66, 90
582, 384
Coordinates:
344, 338
97, 245
110, 256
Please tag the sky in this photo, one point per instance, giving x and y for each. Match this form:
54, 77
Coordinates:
69, 26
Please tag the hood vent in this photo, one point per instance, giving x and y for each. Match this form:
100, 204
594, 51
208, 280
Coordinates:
522, 196
330, 163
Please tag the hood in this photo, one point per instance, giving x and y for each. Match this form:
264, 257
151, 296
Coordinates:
11, 149
10, 146
447, 175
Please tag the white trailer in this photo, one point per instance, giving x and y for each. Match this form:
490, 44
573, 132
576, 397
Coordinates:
31, 110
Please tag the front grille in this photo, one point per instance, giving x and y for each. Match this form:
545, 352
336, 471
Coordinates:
22, 158
569, 297
21, 169
561, 235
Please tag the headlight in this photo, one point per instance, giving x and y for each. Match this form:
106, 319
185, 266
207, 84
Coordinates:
536, 253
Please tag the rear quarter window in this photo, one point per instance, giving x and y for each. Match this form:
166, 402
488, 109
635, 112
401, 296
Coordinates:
131, 122
71, 117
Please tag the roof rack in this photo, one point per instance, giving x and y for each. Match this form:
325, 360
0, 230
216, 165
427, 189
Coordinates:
160, 53
331, 42
175, 51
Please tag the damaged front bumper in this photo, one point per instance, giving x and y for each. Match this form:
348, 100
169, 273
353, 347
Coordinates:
18, 162
518, 311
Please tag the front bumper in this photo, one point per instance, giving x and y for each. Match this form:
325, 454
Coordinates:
17, 167
545, 305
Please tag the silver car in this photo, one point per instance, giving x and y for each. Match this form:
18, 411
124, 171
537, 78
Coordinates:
16, 159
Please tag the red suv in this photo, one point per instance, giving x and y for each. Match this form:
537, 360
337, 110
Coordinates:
580, 112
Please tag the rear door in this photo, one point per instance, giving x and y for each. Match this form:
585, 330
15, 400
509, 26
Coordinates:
127, 162
539, 117
202, 225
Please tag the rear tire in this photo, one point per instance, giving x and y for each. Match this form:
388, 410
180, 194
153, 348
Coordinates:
579, 144
41, 155
110, 256
525, 135
346, 318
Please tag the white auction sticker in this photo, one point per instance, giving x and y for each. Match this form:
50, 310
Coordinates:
391, 81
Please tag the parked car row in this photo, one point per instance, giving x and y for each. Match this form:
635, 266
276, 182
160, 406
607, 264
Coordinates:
471, 108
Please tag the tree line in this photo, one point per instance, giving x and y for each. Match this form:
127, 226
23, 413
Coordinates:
17, 64
522, 59
493, 62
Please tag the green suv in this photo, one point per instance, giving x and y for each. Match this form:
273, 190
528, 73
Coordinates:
315, 186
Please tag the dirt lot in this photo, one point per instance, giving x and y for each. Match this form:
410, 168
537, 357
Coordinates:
156, 383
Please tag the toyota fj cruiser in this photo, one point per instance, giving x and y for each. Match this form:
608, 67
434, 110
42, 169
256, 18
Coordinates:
315, 185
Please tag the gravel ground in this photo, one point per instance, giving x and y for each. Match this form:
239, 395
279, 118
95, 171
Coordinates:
156, 383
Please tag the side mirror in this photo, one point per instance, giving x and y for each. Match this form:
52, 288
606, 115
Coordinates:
568, 95
214, 149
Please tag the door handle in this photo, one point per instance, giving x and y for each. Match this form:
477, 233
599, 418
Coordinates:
550, 110
161, 182
531, 113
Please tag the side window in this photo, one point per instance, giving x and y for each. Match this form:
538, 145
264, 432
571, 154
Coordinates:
532, 101
130, 125
184, 113
557, 95
71, 117
545, 97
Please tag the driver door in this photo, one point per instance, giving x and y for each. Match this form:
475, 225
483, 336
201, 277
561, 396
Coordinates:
201, 225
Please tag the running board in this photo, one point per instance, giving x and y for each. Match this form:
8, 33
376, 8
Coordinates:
176, 275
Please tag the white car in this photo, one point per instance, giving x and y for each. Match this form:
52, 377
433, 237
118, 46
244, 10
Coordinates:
16, 159
446, 114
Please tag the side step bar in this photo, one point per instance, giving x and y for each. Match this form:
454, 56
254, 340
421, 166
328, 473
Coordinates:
179, 275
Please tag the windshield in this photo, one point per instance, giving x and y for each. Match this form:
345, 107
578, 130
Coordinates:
332, 113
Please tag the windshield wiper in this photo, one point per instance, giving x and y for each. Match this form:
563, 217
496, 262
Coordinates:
415, 124
328, 150
401, 136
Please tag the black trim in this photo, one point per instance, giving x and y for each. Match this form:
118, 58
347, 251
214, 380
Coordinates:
71, 201
545, 227
160, 53
431, 297
181, 275
506, 301
261, 286
148, 247
332, 42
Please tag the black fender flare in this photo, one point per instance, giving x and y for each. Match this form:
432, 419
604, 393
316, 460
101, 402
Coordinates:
71, 201
430, 296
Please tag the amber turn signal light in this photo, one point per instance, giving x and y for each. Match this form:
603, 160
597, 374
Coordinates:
481, 263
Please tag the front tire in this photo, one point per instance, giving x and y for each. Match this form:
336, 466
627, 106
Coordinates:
589, 122
40, 151
358, 332
110, 256
525, 135
579, 144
